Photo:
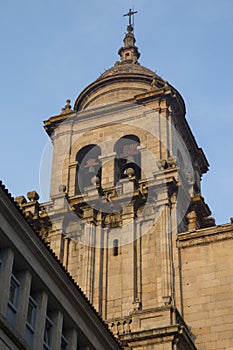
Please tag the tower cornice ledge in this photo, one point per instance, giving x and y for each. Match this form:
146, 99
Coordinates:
171, 334
205, 236
54, 121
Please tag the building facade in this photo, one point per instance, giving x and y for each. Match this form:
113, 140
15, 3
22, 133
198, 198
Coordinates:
126, 215
40, 305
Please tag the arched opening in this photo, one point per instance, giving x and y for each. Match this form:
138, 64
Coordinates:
127, 157
88, 167
115, 247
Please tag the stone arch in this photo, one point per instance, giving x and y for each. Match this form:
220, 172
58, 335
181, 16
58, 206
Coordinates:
88, 167
127, 157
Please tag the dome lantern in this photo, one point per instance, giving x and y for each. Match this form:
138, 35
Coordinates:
129, 52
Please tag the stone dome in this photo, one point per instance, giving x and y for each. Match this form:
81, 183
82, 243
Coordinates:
128, 68
122, 82
119, 83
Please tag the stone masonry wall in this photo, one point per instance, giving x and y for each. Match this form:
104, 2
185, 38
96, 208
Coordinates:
207, 284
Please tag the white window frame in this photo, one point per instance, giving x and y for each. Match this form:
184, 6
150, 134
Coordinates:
65, 342
48, 342
16, 284
31, 325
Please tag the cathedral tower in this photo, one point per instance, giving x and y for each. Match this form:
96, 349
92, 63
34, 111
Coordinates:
125, 181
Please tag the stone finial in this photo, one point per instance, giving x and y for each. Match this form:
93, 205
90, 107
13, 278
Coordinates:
162, 163
67, 108
192, 220
171, 161
20, 200
153, 83
62, 188
157, 83
231, 220
209, 221
33, 196
137, 305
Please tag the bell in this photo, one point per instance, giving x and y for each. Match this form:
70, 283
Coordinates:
95, 181
129, 172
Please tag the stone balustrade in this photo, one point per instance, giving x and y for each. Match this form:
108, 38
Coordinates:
120, 326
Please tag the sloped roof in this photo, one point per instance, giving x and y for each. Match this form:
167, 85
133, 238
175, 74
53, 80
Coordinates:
57, 261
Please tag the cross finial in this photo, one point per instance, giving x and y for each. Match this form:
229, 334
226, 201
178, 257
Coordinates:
130, 14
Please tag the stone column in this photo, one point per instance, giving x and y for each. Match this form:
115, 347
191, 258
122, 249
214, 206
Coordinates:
61, 156
107, 162
128, 248
57, 318
148, 162
66, 251
105, 274
178, 294
89, 241
164, 133
55, 241
171, 129
98, 280
72, 179
24, 293
166, 255
41, 310
137, 266
5, 278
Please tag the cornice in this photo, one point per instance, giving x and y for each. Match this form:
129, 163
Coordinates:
205, 236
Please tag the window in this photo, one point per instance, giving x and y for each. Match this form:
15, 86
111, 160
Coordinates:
88, 167
31, 319
13, 300
14, 291
64, 343
128, 158
115, 247
48, 333
31, 315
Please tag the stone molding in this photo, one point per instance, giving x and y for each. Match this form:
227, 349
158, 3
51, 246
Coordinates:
205, 236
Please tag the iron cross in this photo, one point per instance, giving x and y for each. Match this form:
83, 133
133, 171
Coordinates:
130, 14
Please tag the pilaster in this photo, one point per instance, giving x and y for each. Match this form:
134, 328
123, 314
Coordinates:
42, 299
5, 278
108, 161
57, 318
24, 293
72, 337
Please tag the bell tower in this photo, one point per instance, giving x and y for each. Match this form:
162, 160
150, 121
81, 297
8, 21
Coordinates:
126, 179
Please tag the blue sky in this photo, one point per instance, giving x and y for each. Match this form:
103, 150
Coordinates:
52, 49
